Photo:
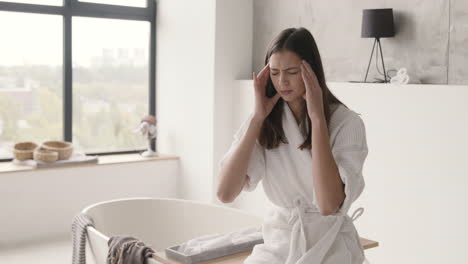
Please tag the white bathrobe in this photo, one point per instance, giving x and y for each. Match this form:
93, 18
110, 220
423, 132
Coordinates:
294, 232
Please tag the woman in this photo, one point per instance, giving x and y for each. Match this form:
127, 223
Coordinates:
308, 149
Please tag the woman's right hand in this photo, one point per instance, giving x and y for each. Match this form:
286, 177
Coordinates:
263, 104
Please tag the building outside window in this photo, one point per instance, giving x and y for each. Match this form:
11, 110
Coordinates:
80, 71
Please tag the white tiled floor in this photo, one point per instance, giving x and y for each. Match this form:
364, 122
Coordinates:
49, 252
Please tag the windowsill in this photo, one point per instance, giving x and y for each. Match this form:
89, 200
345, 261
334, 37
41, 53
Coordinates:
8, 167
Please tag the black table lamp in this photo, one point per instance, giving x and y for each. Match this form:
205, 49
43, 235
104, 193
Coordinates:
377, 23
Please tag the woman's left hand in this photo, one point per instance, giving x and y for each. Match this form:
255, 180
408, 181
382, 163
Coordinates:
313, 94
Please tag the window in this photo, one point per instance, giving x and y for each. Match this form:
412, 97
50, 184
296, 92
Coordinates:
40, 2
116, 69
135, 3
80, 71
30, 79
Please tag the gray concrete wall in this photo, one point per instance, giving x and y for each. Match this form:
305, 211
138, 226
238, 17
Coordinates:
431, 36
458, 59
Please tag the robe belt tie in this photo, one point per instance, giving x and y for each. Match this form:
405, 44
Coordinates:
316, 253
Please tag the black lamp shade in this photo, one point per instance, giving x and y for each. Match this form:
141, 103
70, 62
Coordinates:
377, 23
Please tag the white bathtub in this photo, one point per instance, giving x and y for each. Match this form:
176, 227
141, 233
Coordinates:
159, 222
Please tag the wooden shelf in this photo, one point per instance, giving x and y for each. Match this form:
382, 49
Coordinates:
240, 257
9, 167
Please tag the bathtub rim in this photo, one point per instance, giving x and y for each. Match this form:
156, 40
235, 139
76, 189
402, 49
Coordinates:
147, 198
101, 240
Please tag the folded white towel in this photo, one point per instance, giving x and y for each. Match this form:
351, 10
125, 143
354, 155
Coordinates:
209, 242
246, 238
201, 244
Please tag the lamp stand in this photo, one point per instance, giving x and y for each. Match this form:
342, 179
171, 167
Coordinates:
376, 42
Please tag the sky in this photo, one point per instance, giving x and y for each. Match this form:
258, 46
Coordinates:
37, 39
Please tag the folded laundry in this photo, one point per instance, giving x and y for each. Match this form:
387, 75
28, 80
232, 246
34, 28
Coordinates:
213, 241
128, 250
248, 234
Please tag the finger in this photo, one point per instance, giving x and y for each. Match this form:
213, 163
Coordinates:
305, 76
307, 66
311, 77
263, 69
264, 78
275, 98
254, 77
310, 71
264, 73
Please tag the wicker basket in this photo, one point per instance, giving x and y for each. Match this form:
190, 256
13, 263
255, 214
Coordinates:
64, 148
24, 150
45, 155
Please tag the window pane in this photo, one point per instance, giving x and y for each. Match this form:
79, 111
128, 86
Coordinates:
37, 2
110, 83
30, 79
134, 3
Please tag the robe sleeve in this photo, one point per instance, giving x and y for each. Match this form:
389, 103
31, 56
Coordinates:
350, 151
256, 167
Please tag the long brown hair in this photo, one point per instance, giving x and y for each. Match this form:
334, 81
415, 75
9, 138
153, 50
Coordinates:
302, 43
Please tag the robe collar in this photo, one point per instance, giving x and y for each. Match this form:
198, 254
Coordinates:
291, 129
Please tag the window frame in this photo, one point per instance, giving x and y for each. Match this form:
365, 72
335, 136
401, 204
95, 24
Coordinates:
75, 8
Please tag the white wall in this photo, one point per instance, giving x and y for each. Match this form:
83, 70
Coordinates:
244, 102
39, 205
233, 56
185, 90
194, 108
416, 172
202, 47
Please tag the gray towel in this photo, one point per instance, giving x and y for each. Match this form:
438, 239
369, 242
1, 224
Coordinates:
128, 250
80, 222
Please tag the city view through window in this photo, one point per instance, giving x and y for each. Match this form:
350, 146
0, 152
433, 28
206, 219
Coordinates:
110, 61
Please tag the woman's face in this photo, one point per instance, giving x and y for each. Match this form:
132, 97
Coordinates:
285, 73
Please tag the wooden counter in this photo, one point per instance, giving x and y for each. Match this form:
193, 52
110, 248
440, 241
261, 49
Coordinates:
240, 257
